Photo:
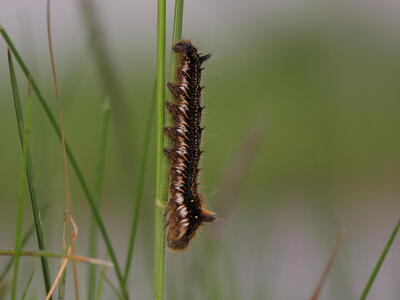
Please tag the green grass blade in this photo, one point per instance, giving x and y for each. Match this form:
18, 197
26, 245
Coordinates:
104, 121
161, 161
176, 37
92, 20
162, 119
139, 189
9, 263
61, 286
63, 280
100, 286
71, 157
25, 239
28, 284
29, 173
112, 286
97, 40
380, 261
21, 198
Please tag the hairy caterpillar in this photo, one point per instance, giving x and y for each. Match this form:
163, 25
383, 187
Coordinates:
184, 211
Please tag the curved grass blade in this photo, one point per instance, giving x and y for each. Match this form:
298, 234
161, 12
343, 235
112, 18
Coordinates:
29, 172
71, 157
380, 261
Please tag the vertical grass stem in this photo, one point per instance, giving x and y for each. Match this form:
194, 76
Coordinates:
161, 176
92, 252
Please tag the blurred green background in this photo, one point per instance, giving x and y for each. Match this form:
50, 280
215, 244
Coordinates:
301, 141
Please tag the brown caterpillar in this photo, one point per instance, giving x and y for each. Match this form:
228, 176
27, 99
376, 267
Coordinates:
184, 211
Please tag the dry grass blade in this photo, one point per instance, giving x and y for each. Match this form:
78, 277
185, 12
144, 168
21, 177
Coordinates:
73, 235
63, 146
59, 275
77, 258
327, 268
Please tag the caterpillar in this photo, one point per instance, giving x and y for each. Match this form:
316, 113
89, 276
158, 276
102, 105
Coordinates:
184, 210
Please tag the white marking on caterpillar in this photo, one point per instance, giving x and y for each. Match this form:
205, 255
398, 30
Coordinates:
183, 212
179, 199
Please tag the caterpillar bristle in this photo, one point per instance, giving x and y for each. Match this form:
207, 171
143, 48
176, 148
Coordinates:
170, 132
169, 153
175, 89
205, 57
173, 108
207, 215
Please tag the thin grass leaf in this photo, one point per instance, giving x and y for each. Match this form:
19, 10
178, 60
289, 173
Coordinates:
21, 197
139, 189
380, 261
9, 263
100, 285
161, 162
92, 252
104, 61
72, 160
29, 172
25, 239
28, 285
63, 280
112, 286
176, 37
108, 75
61, 287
